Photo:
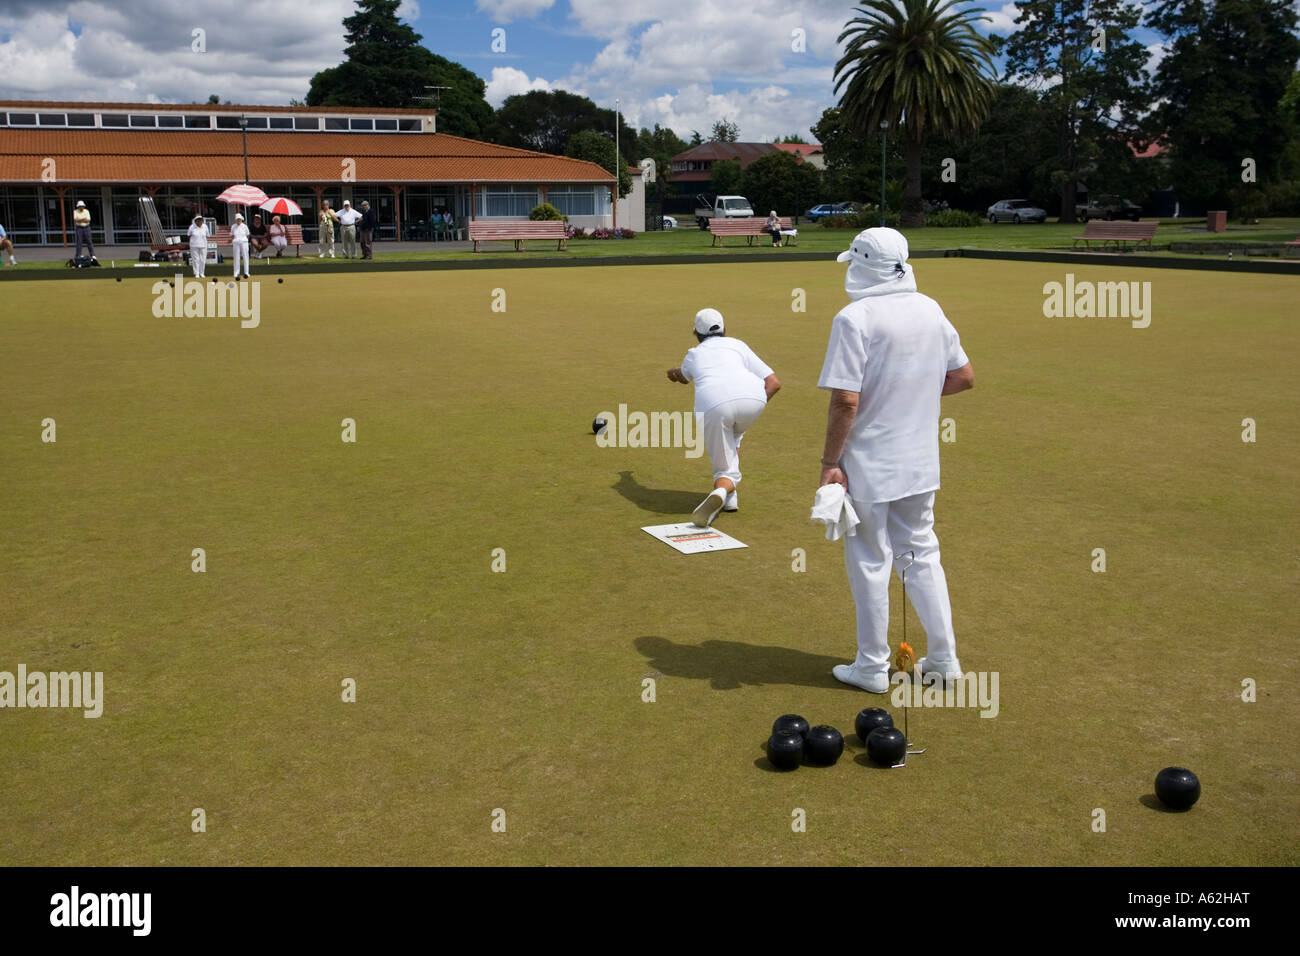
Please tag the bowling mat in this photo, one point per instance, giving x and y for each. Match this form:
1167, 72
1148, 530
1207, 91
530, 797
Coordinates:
690, 539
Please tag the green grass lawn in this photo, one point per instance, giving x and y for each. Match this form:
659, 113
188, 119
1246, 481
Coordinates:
522, 690
688, 240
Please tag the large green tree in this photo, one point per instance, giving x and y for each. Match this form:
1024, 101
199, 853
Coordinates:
660, 144
1221, 86
387, 66
918, 64
1010, 157
599, 149
544, 120
1090, 73
779, 181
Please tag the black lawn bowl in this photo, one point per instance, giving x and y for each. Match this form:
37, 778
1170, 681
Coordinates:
598, 426
886, 746
785, 750
1177, 788
823, 746
869, 719
791, 723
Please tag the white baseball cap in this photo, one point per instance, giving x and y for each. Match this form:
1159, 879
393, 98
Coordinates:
707, 321
239, 215
347, 202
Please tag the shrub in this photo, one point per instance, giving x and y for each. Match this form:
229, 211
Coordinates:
949, 218
600, 232
575, 232
861, 220
546, 212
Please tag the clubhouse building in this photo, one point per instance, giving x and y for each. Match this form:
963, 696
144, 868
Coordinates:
53, 155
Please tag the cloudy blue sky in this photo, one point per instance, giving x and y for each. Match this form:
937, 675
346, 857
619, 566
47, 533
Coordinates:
679, 63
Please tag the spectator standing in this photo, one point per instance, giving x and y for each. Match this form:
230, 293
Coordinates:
369, 223
348, 219
81, 226
327, 219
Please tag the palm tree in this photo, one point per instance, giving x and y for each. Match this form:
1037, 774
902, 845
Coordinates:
915, 61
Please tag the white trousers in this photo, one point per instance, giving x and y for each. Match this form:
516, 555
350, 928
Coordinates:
240, 250
724, 426
198, 260
889, 529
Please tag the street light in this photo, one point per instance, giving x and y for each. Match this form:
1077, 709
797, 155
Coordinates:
884, 133
243, 131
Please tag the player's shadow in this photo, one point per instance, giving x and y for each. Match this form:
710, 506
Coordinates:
730, 665
658, 500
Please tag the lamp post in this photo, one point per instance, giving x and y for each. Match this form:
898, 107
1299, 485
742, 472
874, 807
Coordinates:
243, 131
884, 133
617, 178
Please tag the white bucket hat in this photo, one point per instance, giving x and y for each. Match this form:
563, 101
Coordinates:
877, 263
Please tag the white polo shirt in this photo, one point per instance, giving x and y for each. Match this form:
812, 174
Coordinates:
723, 370
349, 216
198, 236
894, 350
239, 233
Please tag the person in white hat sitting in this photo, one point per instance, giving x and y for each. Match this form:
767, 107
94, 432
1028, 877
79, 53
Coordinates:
892, 354
732, 387
239, 244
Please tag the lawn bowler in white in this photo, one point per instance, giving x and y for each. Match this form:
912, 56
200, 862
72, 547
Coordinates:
239, 244
732, 387
198, 246
892, 354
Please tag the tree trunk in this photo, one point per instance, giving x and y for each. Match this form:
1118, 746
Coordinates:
913, 213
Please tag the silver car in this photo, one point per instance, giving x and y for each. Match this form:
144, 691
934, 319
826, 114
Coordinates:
1017, 211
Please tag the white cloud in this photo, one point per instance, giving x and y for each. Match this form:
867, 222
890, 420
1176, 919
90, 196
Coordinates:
136, 50
1004, 20
507, 81
503, 11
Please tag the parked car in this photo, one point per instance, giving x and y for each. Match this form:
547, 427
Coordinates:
1108, 208
848, 208
1017, 211
821, 212
667, 222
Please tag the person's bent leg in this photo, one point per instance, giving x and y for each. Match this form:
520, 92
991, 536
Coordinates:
911, 528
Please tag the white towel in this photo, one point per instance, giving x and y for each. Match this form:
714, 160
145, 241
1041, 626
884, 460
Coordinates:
833, 509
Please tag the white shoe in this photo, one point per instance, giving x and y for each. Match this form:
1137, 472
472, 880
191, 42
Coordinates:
320, 256
871, 683
708, 509
732, 504
331, 255
949, 670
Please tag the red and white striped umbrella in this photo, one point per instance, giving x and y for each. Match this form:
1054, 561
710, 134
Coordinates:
280, 206
242, 194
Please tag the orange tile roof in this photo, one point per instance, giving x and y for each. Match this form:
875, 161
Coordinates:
160, 157
95, 107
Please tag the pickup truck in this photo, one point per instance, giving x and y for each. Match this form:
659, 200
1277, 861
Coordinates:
1108, 208
722, 207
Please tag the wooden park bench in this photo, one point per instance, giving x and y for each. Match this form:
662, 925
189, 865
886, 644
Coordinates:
749, 227
1120, 233
518, 232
